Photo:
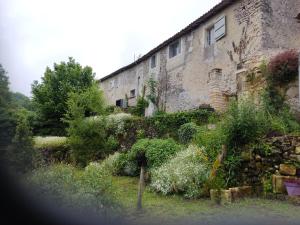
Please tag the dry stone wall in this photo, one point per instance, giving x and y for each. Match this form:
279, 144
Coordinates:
280, 157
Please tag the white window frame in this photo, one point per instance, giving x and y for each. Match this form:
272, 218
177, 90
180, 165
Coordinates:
210, 36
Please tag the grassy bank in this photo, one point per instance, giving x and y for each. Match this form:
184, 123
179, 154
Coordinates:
173, 208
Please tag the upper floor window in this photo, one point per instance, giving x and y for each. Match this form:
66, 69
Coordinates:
210, 36
216, 32
174, 49
153, 62
132, 93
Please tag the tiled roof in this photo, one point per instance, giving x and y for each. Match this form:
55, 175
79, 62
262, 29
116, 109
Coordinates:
216, 9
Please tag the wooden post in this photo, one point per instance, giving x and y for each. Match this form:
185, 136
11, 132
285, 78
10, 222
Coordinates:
141, 188
299, 76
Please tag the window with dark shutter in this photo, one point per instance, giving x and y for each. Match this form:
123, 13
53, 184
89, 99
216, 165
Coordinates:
220, 28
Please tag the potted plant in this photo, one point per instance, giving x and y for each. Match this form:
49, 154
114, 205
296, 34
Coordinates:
292, 187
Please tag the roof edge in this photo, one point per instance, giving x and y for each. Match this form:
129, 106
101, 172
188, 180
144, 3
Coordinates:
192, 26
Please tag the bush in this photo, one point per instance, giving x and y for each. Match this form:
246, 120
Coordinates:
52, 149
156, 151
169, 123
116, 123
284, 67
124, 167
243, 123
110, 164
186, 173
70, 187
88, 140
141, 105
186, 132
20, 153
210, 141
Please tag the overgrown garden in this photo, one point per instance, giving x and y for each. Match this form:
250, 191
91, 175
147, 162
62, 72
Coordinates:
71, 145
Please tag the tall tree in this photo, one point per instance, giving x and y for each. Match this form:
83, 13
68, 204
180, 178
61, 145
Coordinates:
6, 118
51, 95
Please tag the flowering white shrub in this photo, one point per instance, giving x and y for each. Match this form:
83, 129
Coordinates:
117, 122
109, 164
185, 173
49, 142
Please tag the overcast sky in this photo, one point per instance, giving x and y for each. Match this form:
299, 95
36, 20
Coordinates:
102, 34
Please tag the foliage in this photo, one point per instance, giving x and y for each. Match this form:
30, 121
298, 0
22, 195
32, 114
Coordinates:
123, 166
210, 141
87, 138
156, 151
51, 95
72, 188
20, 153
110, 163
268, 184
116, 122
20, 101
52, 149
185, 173
169, 123
87, 103
141, 105
186, 132
284, 67
154, 95
7, 120
243, 123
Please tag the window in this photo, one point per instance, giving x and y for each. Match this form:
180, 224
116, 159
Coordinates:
217, 31
210, 36
132, 93
298, 18
153, 62
120, 103
174, 49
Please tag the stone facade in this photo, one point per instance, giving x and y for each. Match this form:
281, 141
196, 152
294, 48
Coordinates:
210, 74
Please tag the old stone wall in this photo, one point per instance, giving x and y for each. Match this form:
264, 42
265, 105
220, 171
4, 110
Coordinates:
277, 156
255, 30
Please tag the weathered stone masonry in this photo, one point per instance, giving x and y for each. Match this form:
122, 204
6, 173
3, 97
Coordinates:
211, 73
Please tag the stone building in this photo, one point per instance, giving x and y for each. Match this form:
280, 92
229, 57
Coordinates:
206, 63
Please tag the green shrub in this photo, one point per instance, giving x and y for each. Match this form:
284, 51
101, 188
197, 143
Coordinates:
243, 123
168, 123
141, 105
210, 141
20, 153
185, 173
70, 187
124, 167
110, 163
88, 140
186, 132
156, 151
